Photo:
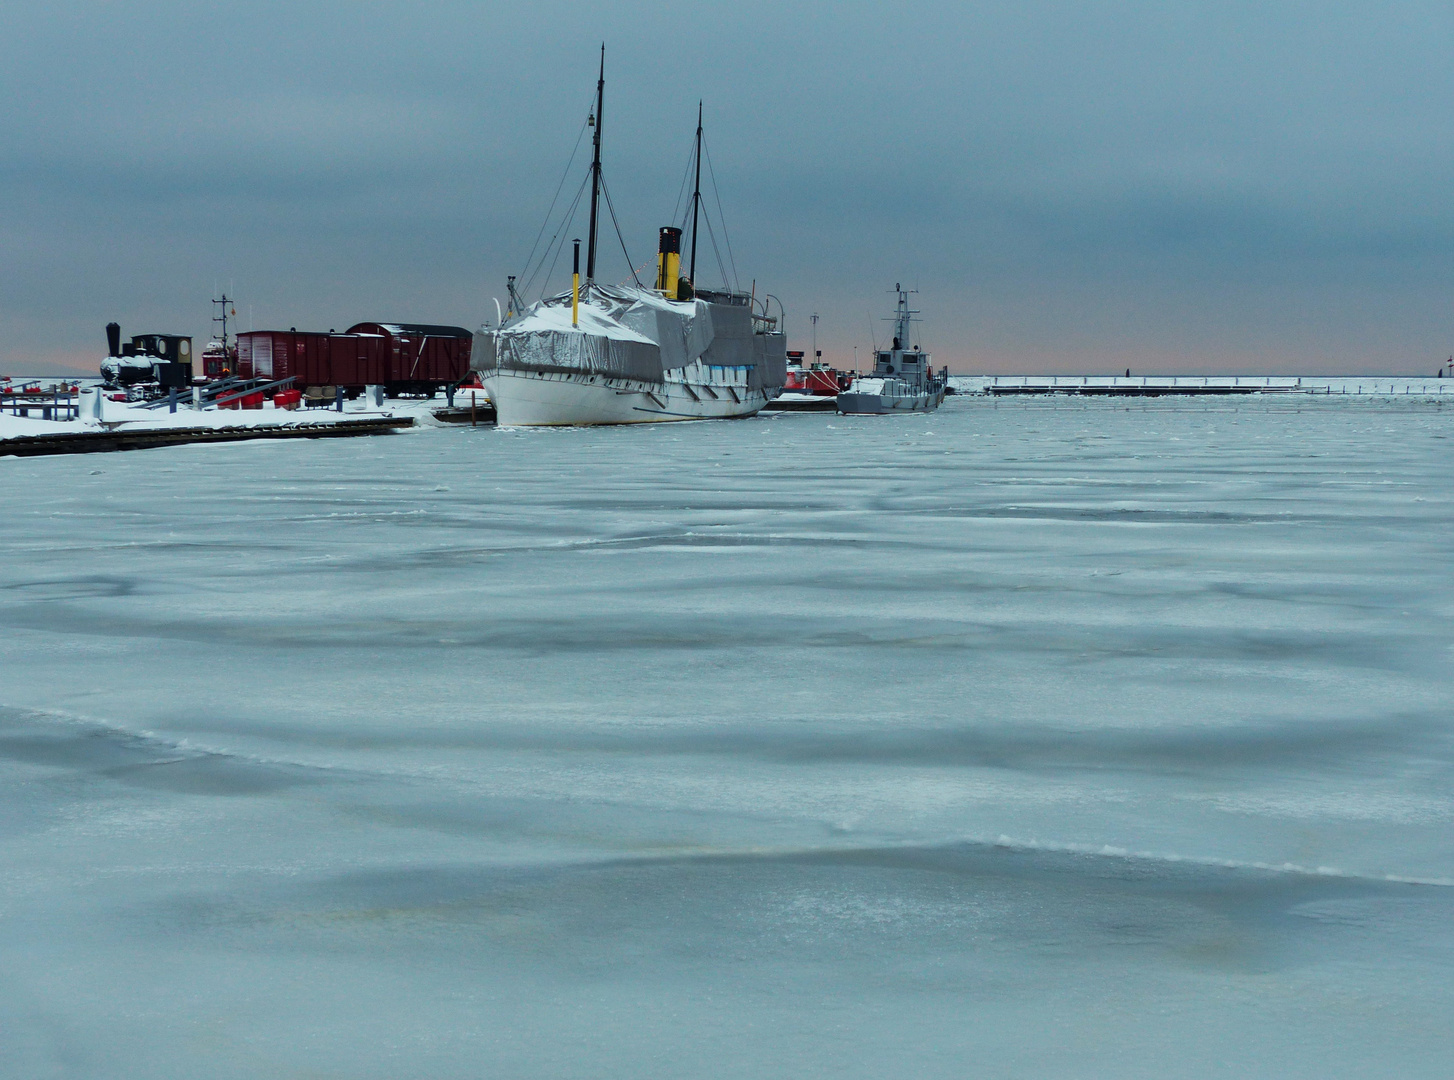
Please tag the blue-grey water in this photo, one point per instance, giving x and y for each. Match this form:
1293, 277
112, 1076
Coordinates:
1026, 739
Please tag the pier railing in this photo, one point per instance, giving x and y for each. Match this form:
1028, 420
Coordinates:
53, 404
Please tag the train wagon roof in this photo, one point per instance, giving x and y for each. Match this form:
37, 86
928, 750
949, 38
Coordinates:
293, 330
427, 329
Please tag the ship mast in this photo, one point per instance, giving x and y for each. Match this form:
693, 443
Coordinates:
223, 303
903, 318
596, 171
696, 199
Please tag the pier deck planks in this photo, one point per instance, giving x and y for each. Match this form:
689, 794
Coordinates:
90, 442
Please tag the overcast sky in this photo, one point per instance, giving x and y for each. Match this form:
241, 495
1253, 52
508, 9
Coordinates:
1072, 187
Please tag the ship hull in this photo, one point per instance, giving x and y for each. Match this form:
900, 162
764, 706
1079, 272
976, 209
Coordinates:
788, 401
528, 399
883, 404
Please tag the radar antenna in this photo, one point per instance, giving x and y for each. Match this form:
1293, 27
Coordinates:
224, 304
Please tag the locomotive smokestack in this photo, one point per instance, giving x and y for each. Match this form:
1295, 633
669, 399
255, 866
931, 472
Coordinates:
113, 339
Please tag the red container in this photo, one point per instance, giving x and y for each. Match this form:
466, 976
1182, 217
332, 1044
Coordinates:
282, 354
253, 401
404, 357
287, 399
420, 356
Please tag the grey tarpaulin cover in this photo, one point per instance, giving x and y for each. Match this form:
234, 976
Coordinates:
633, 333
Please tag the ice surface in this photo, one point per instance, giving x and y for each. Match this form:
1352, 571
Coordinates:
1025, 738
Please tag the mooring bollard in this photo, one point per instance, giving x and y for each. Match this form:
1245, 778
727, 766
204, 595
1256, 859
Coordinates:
338, 397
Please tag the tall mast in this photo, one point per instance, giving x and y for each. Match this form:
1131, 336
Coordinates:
904, 320
224, 302
696, 198
596, 170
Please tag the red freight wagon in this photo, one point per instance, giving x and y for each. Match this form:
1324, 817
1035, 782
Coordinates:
279, 354
405, 358
418, 357
357, 360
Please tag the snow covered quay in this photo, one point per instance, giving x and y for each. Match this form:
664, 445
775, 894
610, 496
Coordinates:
1198, 385
27, 437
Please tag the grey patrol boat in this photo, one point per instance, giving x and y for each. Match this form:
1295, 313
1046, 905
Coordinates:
902, 380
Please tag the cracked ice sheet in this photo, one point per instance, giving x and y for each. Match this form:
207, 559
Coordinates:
1033, 738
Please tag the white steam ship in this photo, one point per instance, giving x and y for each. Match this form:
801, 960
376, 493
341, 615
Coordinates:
630, 354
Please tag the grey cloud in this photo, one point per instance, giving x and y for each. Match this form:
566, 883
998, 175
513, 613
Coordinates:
1210, 186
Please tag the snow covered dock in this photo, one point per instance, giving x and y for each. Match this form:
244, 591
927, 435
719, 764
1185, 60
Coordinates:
138, 429
1198, 385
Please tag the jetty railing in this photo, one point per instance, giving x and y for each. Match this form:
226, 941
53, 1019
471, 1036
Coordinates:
221, 393
53, 404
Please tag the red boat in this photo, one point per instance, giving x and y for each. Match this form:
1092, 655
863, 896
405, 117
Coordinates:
809, 388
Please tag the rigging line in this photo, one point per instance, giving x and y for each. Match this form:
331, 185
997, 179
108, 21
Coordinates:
612, 209
638, 270
717, 252
532, 272
561, 234
564, 225
544, 285
686, 172
736, 283
545, 224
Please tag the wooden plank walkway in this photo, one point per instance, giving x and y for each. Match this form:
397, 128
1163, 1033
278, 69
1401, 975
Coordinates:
92, 442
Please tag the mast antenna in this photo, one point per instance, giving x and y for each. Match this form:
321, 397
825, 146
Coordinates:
596, 170
903, 318
224, 304
696, 198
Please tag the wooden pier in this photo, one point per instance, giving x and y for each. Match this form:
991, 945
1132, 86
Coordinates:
52, 404
1198, 385
479, 412
120, 438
